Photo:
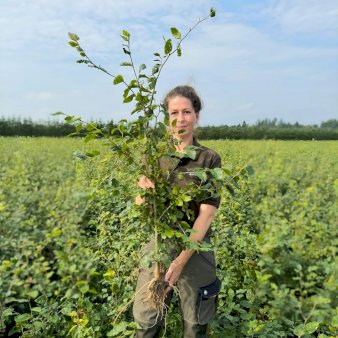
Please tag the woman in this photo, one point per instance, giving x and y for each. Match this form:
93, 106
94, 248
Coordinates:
193, 273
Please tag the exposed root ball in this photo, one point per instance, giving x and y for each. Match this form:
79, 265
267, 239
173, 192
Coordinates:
157, 291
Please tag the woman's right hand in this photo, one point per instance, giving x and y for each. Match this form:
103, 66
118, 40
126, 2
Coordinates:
145, 183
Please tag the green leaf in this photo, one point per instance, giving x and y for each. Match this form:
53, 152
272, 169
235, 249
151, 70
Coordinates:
168, 47
201, 174
233, 182
73, 36
69, 119
231, 295
33, 294
175, 32
179, 51
78, 128
250, 170
118, 79
113, 182
212, 12
93, 153
38, 324
7, 312
155, 68
152, 82
129, 98
126, 64
125, 33
186, 198
334, 321
162, 128
83, 286
118, 329
142, 67
311, 327
126, 51
73, 43
217, 173
167, 233
300, 330
179, 202
22, 318
58, 113
166, 119
91, 126
89, 137
230, 189
109, 274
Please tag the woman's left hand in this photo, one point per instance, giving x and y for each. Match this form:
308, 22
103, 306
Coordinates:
174, 272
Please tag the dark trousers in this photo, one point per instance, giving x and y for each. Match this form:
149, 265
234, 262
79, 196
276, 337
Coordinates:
197, 312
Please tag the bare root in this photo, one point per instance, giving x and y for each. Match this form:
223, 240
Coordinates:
157, 291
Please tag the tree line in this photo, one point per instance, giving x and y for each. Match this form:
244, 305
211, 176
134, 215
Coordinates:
262, 129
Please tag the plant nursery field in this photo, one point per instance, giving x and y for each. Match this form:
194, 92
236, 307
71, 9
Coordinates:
71, 239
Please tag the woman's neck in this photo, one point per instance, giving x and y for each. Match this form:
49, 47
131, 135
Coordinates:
188, 141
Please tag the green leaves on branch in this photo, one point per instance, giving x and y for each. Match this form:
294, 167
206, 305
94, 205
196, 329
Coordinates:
175, 32
125, 35
304, 329
168, 47
73, 37
73, 44
118, 79
142, 67
126, 64
143, 87
212, 12
149, 138
128, 98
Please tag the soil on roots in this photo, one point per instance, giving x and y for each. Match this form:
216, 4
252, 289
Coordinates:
157, 291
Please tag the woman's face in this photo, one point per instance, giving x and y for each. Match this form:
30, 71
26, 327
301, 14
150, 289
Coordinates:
181, 110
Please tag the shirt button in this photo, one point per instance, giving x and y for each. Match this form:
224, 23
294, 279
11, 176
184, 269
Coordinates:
205, 292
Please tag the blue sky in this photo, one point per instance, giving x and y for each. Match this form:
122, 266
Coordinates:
254, 60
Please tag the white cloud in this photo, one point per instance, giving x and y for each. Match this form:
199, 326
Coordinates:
40, 96
234, 60
306, 15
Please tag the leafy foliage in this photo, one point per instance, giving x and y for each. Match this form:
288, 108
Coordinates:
71, 238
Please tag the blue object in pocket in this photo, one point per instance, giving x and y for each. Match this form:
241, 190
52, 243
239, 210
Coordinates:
211, 290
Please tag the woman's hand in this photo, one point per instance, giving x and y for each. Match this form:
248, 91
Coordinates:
174, 272
145, 183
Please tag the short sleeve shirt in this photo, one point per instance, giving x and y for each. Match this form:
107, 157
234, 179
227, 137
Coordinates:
181, 171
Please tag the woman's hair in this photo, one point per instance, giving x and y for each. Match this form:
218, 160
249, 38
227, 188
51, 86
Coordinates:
187, 92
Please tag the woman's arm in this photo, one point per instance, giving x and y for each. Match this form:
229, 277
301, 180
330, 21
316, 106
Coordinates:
201, 226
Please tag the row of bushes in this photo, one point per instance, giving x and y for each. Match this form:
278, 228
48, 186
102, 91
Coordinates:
261, 130
71, 238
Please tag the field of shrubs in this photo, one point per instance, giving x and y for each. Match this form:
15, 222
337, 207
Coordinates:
70, 241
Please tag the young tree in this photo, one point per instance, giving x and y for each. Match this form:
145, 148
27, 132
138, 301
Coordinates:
165, 205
